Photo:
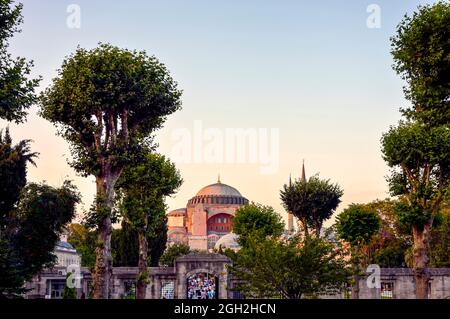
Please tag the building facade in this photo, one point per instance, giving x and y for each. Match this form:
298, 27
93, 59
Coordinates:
207, 217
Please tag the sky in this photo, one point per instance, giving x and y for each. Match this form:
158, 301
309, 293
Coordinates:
313, 79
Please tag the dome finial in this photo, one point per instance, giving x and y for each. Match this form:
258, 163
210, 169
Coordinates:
218, 178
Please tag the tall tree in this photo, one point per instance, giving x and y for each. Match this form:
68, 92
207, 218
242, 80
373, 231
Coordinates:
106, 102
420, 159
357, 225
418, 149
143, 188
16, 87
312, 201
421, 51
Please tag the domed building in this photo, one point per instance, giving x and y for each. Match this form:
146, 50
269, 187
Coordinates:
207, 217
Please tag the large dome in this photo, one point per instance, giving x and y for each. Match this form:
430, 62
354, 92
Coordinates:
228, 241
219, 189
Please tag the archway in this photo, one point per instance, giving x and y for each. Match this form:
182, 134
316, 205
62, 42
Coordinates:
202, 285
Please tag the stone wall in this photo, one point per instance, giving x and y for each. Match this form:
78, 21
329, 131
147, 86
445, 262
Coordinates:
396, 283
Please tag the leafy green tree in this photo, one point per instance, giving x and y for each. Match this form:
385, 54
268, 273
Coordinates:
31, 233
16, 88
440, 239
125, 243
357, 225
13, 171
420, 160
107, 102
421, 52
255, 218
312, 201
388, 248
143, 188
84, 241
125, 246
292, 269
31, 217
172, 253
69, 293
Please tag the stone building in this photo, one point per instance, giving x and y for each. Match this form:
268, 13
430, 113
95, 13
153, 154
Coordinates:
207, 217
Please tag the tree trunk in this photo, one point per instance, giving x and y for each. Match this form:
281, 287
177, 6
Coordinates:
103, 263
420, 260
142, 265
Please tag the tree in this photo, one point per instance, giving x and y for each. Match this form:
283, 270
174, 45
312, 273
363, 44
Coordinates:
172, 253
388, 248
143, 190
292, 269
125, 243
31, 217
31, 233
420, 160
421, 53
84, 241
312, 201
16, 89
357, 225
255, 218
107, 102
440, 239
13, 171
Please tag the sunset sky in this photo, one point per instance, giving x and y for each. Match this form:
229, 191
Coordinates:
313, 70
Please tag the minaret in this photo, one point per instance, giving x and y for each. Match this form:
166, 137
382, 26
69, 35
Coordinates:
290, 215
303, 172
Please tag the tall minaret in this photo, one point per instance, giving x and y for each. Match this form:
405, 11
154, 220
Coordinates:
303, 172
290, 215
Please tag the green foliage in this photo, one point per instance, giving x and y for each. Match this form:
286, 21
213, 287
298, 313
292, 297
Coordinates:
421, 52
84, 241
142, 189
16, 89
31, 233
270, 268
312, 201
357, 224
172, 253
440, 239
256, 219
420, 158
391, 255
13, 171
69, 293
105, 101
410, 216
389, 246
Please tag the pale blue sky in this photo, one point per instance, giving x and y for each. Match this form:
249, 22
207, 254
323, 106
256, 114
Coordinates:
313, 69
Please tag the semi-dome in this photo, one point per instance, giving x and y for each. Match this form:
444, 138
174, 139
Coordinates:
219, 189
228, 241
177, 212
